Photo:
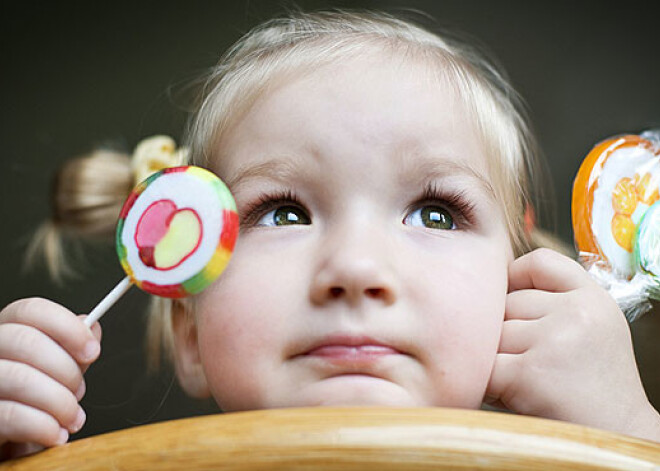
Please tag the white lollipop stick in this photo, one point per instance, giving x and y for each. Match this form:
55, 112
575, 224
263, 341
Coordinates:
107, 302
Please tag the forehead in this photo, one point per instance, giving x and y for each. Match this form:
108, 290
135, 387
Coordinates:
367, 106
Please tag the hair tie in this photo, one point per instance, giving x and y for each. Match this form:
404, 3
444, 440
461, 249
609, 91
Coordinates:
154, 154
529, 219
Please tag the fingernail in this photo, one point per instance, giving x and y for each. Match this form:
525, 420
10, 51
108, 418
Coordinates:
92, 349
80, 420
62, 437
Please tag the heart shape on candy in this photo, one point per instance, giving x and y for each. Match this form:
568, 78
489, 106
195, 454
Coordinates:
166, 235
616, 185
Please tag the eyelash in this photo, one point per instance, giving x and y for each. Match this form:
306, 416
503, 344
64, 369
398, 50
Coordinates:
459, 206
267, 202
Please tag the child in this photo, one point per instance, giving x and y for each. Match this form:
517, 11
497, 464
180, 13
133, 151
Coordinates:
382, 175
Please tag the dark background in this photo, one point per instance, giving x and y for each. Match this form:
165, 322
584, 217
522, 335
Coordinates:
74, 75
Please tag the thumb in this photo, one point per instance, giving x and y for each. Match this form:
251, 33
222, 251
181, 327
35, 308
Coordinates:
95, 327
96, 331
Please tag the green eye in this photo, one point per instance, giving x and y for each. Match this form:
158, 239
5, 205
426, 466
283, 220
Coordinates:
431, 217
285, 216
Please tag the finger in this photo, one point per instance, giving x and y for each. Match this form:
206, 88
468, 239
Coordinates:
82, 389
517, 336
501, 386
95, 327
529, 304
58, 323
98, 335
25, 344
24, 384
25, 424
545, 269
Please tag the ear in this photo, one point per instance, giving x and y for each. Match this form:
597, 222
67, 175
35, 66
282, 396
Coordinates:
187, 361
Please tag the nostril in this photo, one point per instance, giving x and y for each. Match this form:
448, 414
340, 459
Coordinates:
374, 292
336, 291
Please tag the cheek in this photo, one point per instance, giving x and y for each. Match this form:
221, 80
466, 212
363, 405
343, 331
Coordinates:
246, 306
464, 301
231, 318
470, 309
465, 281
242, 321
228, 343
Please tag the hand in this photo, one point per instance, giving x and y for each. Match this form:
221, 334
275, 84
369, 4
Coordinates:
566, 352
44, 351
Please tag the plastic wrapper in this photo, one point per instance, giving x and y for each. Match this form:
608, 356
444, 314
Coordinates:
616, 218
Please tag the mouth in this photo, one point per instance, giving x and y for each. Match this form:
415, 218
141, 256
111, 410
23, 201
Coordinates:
352, 351
348, 350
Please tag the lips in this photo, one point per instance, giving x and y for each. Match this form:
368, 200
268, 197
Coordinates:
347, 348
350, 351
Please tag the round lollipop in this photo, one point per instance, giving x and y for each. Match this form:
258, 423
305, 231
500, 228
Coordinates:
617, 182
175, 235
616, 219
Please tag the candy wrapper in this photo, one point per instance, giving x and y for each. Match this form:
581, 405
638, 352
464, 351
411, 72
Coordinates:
616, 218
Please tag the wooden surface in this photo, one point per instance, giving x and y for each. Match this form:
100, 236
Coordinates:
351, 439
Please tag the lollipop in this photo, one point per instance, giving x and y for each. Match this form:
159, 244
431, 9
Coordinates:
616, 184
615, 231
175, 235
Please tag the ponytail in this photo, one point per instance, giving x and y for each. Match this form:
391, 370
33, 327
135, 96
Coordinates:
87, 195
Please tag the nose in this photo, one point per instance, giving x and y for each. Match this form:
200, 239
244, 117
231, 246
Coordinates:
354, 268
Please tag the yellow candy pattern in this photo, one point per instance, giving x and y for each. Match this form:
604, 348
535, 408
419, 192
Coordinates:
625, 197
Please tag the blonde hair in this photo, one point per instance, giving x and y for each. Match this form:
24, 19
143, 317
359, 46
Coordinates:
303, 41
87, 195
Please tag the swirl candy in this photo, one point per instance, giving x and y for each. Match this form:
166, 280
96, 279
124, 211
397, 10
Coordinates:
615, 213
175, 234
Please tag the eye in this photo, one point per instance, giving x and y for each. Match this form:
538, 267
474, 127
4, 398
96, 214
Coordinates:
284, 216
431, 217
282, 208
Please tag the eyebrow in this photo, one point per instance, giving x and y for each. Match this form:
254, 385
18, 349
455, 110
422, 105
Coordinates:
276, 169
430, 169
282, 170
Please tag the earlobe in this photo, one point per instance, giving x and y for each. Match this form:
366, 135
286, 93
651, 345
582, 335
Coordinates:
187, 360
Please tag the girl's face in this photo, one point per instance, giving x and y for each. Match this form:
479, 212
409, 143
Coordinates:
371, 268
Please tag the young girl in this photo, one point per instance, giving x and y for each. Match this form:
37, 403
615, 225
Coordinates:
382, 174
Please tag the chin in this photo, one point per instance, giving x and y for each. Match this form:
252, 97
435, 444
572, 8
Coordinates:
354, 391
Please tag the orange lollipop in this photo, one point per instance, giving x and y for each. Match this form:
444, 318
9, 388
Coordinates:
615, 185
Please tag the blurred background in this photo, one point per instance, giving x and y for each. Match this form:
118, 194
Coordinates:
79, 74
